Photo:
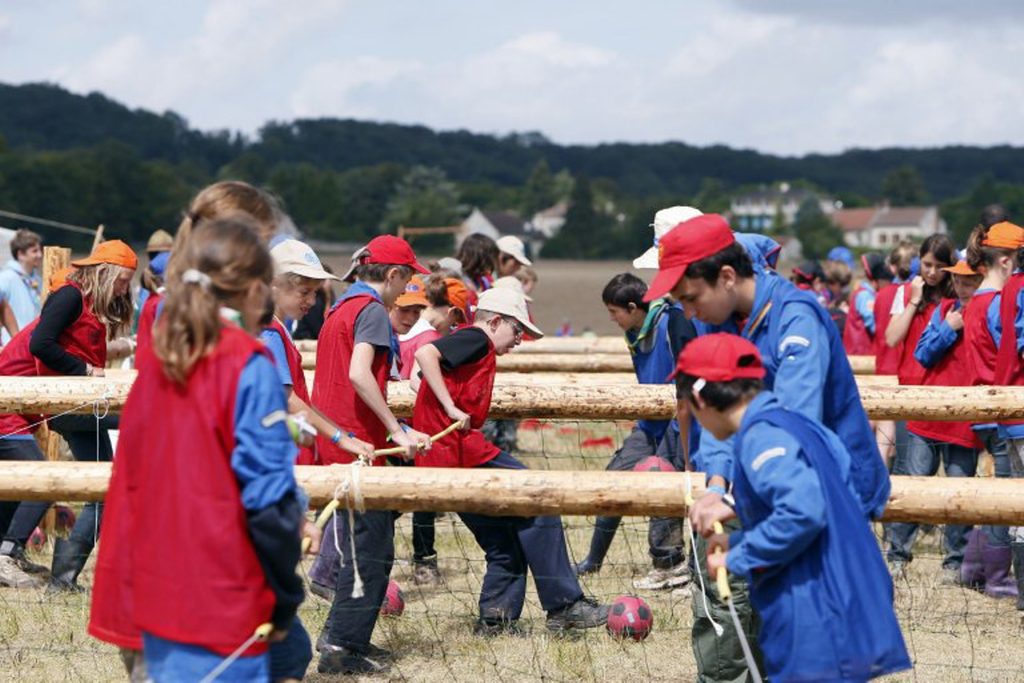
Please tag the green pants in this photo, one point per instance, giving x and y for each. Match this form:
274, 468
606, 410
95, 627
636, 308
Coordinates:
720, 658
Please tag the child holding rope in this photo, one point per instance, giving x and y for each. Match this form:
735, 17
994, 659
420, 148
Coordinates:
655, 333
457, 378
354, 356
198, 615
74, 335
816, 576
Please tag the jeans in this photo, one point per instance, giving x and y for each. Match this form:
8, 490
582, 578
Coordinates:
19, 519
998, 536
922, 458
88, 444
289, 658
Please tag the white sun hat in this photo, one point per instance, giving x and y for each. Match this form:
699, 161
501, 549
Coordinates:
513, 283
514, 247
664, 221
293, 256
505, 301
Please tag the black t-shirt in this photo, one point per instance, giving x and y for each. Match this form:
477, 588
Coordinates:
468, 345
61, 310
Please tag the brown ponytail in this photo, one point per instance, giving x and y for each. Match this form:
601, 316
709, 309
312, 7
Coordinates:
220, 261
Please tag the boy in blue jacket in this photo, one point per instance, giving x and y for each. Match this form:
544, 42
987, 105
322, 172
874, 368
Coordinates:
816, 574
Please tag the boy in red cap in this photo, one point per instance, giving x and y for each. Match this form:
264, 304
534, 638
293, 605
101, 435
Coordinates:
353, 360
703, 266
816, 575
457, 379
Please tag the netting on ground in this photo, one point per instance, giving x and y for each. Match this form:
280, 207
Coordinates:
953, 633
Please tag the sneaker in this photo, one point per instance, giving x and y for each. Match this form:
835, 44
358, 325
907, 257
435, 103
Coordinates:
950, 576
661, 579
489, 628
681, 593
584, 613
321, 591
897, 568
335, 659
427, 574
371, 650
587, 567
13, 576
18, 554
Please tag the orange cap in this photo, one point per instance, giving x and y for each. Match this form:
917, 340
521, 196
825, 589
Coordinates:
1004, 235
114, 252
414, 294
459, 296
59, 279
961, 268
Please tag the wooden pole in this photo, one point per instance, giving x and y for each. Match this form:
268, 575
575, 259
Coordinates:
49, 395
98, 238
936, 500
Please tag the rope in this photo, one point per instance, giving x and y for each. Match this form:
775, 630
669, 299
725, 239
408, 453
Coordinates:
69, 411
696, 561
261, 633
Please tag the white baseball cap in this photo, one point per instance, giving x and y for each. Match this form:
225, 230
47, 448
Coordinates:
505, 301
513, 283
293, 256
514, 247
664, 221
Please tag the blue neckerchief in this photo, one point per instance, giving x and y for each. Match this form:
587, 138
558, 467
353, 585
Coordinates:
358, 288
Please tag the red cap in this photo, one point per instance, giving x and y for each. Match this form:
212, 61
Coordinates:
687, 243
720, 357
387, 250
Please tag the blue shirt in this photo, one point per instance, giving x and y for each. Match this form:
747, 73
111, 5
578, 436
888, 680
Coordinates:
864, 302
21, 292
275, 345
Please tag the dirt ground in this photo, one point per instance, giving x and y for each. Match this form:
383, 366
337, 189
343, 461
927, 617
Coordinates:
954, 634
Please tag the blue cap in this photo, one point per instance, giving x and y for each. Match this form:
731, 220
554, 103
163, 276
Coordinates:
762, 250
915, 267
159, 263
841, 254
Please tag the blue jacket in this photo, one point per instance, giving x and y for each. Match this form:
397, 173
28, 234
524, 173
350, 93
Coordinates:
816, 574
653, 360
808, 370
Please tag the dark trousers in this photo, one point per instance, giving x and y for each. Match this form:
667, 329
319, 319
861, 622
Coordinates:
88, 444
289, 658
513, 545
19, 519
351, 620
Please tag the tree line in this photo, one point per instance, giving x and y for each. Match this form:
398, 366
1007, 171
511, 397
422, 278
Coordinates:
87, 159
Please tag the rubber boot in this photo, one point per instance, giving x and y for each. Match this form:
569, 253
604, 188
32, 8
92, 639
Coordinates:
972, 571
69, 558
604, 532
998, 582
1018, 571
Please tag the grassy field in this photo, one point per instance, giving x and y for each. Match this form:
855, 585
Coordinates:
954, 634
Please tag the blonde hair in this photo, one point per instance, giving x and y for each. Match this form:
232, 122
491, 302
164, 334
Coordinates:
222, 258
227, 198
97, 285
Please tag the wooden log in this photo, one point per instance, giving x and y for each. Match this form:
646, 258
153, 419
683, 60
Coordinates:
862, 365
936, 500
50, 395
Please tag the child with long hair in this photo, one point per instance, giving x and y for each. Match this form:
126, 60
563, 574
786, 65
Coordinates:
941, 351
990, 251
207, 400
479, 257
71, 337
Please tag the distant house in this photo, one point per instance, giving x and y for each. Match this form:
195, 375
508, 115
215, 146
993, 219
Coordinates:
882, 227
494, 224
756, 211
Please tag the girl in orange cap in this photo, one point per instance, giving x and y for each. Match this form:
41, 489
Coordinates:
70, 337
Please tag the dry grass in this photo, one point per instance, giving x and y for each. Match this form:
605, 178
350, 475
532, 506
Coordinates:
954, 634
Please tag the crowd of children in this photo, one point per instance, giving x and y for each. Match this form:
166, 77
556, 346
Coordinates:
767, 408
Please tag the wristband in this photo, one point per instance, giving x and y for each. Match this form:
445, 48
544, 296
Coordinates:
915, 304
715, 488
336, 438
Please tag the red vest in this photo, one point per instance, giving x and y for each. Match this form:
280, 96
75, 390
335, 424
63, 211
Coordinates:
887, 359
981, 348
1009, 370
307, 456
410, 346
333, 393
147, 316
175, 556
85, 338
856, 338
951, 371
910, 371
470, 386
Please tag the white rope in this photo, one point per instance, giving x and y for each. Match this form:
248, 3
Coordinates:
46, 419
350, 491
261, 633
696, 561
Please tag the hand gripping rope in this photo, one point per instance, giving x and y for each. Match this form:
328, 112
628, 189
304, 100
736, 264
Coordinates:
722, 580
350, 491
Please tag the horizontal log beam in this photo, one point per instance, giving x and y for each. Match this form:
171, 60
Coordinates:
935, 500
51, 395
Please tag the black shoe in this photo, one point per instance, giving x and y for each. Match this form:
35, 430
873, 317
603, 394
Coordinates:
584, 613
491, 628
335, 659
321, 591
69, 558
370, 650
17, 553
587, 567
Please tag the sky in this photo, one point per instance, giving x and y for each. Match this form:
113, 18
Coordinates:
780, 76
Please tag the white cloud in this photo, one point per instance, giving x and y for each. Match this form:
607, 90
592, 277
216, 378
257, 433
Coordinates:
347, 88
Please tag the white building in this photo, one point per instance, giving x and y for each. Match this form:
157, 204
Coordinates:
756, 211
883, 227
